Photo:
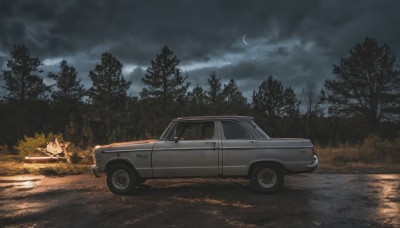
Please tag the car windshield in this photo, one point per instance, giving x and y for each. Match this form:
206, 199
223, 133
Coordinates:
166, 131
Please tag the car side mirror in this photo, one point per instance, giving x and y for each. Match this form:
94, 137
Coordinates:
176, 139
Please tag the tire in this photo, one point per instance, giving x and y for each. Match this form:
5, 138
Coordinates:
267, 178
121, 179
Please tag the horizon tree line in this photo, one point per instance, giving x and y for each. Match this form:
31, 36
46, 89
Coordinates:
363, 97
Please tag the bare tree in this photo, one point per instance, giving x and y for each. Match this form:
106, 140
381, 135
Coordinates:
312, 100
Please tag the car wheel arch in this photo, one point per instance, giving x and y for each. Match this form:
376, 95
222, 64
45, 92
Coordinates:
257, 163
115, 162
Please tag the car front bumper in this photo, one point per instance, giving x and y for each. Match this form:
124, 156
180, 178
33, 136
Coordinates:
96, 171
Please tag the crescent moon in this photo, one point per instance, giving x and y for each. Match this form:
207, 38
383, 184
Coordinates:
244, 41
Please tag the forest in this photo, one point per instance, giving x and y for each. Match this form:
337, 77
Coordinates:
362, 97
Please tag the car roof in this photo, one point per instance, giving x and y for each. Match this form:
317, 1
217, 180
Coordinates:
225, 117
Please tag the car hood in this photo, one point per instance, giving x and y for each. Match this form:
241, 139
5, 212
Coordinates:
127, 146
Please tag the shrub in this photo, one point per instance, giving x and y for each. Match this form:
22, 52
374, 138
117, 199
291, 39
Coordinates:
375, 149
75, 155
372, 150
87, 157
28, 146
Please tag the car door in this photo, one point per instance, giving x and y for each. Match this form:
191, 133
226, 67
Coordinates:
238, 147
191, 149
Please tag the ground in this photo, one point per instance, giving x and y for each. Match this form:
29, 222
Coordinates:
306, 200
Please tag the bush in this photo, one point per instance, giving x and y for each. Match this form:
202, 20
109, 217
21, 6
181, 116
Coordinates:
375, 149
372, 150
28, 146
87, 157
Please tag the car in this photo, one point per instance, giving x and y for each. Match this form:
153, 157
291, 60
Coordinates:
206, 146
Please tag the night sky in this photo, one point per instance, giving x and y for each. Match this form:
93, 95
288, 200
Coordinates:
295, 41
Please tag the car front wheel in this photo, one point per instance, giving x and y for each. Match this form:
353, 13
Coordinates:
267, 178
121, 179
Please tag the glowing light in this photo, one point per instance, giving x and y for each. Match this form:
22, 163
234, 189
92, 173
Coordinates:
52, 62
128, 68
200, 65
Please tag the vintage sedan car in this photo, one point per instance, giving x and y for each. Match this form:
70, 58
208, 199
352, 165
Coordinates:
206, 146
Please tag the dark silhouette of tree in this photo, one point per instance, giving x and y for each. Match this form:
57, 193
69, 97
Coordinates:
268, 101
67, 98
109, 96
21, 81
234, 103
312, 100
26, 108
226, 100
277, 109
197, 102
366, 84
291, 104
314, 108
165, 93
215, 91
164, 80
69, 88
232, 95
109, 86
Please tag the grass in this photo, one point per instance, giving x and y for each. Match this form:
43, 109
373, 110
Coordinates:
374, 155
372, 151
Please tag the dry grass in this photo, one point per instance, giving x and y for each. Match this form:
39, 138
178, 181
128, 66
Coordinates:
372, 151
374, 155
338, 156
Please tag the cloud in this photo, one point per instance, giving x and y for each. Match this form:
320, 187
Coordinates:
295, 41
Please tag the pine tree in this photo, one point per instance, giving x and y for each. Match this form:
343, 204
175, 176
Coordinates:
366, 84
109, 96
69, 88
109, 87
197, 102
164, 80
165, 95
67, 100
227, 100
215, 91
291, 104
269, 99
232, 94
21, 81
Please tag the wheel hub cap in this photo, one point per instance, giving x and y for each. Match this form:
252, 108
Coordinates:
120, 179
267, 178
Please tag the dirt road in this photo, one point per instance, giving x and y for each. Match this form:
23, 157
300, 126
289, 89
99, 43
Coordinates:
319, 200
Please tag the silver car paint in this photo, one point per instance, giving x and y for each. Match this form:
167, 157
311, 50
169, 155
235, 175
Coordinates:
206, 158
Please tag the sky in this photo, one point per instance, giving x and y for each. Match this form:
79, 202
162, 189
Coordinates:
245, 40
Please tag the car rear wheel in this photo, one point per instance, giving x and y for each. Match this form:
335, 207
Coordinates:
121, 179
267, 178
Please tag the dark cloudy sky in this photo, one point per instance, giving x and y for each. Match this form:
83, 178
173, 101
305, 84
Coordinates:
295, 41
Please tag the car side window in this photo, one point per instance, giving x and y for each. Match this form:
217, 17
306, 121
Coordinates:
233, 130
194, 131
